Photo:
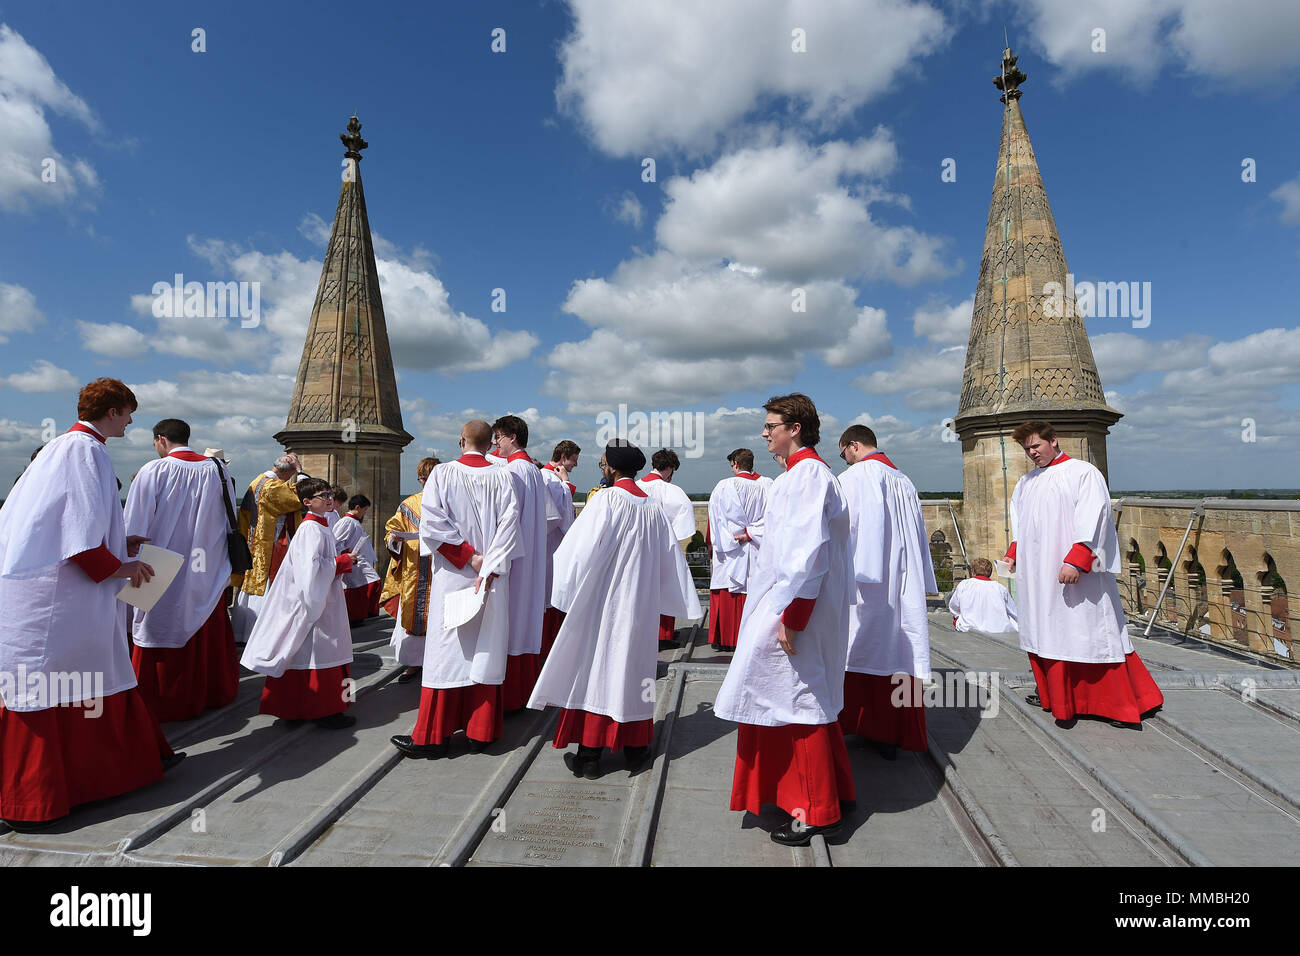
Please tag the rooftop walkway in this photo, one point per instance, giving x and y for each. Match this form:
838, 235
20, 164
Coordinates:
1214, 779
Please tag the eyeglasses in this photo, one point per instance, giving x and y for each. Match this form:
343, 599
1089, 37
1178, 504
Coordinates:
769, 426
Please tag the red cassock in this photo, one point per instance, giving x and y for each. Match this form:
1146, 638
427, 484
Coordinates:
725, 611
181, 682
872, 709
1123, 691
551, 622
363, 602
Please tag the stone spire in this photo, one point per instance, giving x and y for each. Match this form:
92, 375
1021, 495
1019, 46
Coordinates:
344, 421
1028, 355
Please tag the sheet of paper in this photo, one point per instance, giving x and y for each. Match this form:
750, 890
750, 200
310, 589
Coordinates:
1004, 569
460, 607
165, 565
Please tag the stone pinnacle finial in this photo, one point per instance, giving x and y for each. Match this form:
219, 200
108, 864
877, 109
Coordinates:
1010, 78
352, 139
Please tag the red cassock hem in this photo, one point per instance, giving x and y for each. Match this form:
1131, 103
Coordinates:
667, 627
181, 682
475, 709
521, 675
551, 622
725, 610
870, 710
597, 730
801, 768
363, 602
306, 694
1121, 691
55, 759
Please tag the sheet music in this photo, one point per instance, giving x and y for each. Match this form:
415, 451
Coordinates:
165, 565
461, 607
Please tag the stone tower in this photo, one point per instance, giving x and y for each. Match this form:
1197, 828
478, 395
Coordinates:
1027, 358
344, 422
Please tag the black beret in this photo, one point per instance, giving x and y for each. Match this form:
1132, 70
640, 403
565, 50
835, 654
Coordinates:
624, 457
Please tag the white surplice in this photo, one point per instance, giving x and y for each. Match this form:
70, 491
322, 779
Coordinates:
805, 554
889, 632
180, 505
736, 504
676, 504
348, 532
54, 620
616, 571
304, 622
980, 604
559, 518
476, 504
528, 571
1052, 509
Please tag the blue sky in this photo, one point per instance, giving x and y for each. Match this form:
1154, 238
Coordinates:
775, 170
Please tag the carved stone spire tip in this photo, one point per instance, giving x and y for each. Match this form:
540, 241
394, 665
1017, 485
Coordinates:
352, 139
1009, 80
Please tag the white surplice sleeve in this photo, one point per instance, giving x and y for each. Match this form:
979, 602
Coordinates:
1093, 524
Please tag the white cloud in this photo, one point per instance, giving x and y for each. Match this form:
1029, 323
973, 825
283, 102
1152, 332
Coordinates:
1243, 368
626, 208
917, 369
201, 395
1208, 38
41, 376
28, 87
867, 341
667, 330
678, 74
798, 212
1122, 356
946, 325
18, 312
1288, 194
424, 331
619, 369
114, 339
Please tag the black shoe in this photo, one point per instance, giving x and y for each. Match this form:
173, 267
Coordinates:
1033, 700
635, 757
416, 751
1122, 725
173, 760
478, 746
888, 751
797, 834
33, 826
335, 721
1066, 724
669, 645
408, 675
581, 765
